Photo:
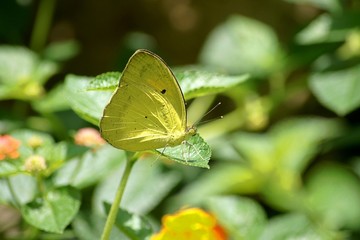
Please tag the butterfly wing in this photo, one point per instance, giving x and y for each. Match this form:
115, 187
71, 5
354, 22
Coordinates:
147, 110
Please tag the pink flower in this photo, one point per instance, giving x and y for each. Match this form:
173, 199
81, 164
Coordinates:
89, 137
9, 147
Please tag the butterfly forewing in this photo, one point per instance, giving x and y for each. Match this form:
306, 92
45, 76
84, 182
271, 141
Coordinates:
147, 110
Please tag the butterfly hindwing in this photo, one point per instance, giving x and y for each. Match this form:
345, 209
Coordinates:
147, 110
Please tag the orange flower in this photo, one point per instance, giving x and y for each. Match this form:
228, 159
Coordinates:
88, 137
9, 147
190, 224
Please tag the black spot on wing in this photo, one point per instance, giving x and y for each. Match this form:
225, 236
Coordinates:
163, 91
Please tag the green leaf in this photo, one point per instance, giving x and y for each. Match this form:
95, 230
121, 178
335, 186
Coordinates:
26, 136
223, 178
194, 152
340, 209
147, 181
329, 29
105, 81
55, 155
53, 101
243, 218
132, 225
243, 45
54, 212
62, 50
23, 187
290, 144
317, 31
89, 226
294, 226
78, 172
197, 83
193, 82
337, 90
283, 154
22, 73
87, 104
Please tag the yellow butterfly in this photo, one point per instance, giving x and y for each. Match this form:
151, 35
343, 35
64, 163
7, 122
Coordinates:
147, 109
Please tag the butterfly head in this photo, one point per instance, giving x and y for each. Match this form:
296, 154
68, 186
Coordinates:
190, 131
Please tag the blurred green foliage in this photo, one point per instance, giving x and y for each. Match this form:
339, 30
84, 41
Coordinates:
285, 162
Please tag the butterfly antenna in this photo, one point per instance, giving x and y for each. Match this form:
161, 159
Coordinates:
212, 109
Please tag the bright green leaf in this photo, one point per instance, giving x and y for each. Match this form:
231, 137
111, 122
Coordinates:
146, 181
316, 32
223, 178
23, 187
89, 226
53, 101
62, 50
242, 45
89, 168
294, 226
54, 212
243, 218
23, 82
88, 104
280, 156
194, 152
105, 81
289, 145
338, 90
337, 209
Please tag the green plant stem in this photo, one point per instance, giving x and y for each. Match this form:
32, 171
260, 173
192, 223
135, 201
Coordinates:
40, 184
277, 89
42, 24
119, 193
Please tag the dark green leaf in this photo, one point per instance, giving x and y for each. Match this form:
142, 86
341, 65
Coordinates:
330, 5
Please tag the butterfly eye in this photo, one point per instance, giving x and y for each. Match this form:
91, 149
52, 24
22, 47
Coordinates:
163, 91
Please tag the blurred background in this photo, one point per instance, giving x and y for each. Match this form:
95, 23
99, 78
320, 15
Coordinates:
290, 87
177, 30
